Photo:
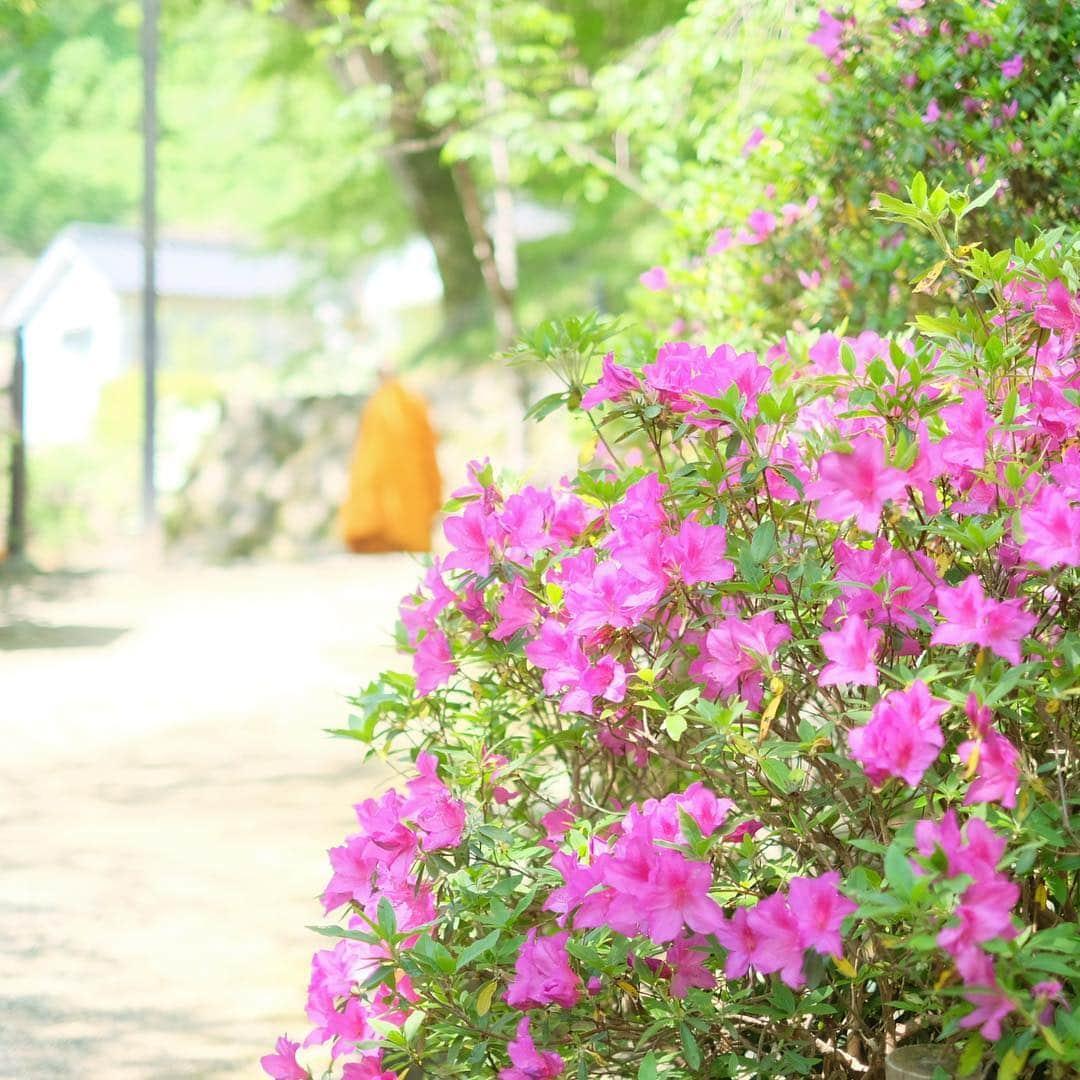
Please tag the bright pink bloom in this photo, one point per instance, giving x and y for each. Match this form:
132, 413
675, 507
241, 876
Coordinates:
857, 484
432, 662
778, 941
677, 894
972, 618
517, 610
686, 958
471, 535
697, 553
756, 138
820, 908
543, 974
738, 652
933, 112
440, 818
1061, 310
614, 384
982, 991
1051, 525
903, 737
528, 1062
759, 224
851, 651
368, 1068
970, 425
984, 913
1013, 67
721, 241
738, 937
994, 758
828, 36
655, 279
282, 1064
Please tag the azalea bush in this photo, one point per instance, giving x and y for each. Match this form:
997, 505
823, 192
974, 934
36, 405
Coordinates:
752, 749
781, 230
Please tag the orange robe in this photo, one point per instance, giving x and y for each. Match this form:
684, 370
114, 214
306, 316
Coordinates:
394, 485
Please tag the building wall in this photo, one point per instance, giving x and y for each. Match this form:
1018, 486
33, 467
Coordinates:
73, 347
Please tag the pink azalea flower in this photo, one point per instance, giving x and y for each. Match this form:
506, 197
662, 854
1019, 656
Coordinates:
778, 940
615, 383
655, 279
857, 484
517, 610
282, 1064
994, 759
828, 36
851, 651
982, 991
756, 138
721, 241
432, 662
738, 937
368, 1068
686, 958
984, 913
440, 817
1013, 67
678, 894
903, 737
819, 909
739, 651
528, 1062
972, 618
471, 535
1061, 310
697, 554
933, 112
543, 975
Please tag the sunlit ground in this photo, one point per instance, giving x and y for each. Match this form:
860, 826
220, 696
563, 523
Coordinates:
166, 800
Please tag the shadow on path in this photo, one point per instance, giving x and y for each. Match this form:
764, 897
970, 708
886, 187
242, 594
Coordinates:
26, 634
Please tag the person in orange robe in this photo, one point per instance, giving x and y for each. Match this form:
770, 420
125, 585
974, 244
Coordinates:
394, 485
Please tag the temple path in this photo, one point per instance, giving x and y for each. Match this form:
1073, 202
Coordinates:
167, 797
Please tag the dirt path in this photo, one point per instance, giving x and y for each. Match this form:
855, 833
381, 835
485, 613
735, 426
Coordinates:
166, 801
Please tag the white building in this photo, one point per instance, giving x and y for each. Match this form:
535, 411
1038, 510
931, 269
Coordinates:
220, 309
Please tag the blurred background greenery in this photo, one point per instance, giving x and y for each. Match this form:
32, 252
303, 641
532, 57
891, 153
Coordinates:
542, 153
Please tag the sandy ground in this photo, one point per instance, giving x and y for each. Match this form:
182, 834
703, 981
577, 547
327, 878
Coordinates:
166, 800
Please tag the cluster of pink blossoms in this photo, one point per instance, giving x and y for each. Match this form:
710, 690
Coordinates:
379, 863
984, 911
639, 888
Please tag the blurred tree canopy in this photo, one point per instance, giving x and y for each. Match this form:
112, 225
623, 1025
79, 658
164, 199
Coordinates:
346, 125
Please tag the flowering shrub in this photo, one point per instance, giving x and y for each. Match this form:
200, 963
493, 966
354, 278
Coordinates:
751, 750
970, 93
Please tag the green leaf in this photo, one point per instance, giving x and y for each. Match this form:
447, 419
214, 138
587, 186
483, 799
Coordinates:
763, 542
983, 199
917, 191
675, 725
647, 1070
972, 1055
387, 919
477, 949
690, 1046
898, 871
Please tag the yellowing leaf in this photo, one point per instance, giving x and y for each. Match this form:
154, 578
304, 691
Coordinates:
484, 998
769, 714
845, 966
925, 282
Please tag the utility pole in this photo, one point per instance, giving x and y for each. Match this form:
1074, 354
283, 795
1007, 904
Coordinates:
16, 533
149, 246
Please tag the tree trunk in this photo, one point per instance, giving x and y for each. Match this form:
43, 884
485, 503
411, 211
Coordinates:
427, 185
